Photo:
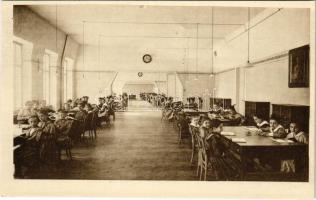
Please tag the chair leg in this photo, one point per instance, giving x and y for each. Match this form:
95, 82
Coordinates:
192, 156
180, 135
90, 136
69, 153
59, 154
95, 133
201, 172
205, 173
197, 170
193, 151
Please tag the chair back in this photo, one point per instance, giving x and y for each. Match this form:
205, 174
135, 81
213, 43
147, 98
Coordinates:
201, 147
94, 119
88, 121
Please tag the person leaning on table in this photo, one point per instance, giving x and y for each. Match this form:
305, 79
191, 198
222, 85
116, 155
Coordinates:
261, 124
276, 129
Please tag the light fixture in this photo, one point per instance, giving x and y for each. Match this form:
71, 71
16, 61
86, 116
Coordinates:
248, 38
196, 51
212, 44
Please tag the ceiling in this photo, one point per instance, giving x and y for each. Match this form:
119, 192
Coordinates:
128, 26
179, 38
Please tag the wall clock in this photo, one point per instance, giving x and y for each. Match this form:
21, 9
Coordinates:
140, 74
147, 58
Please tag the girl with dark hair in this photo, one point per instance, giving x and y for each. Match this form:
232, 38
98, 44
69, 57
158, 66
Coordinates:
261, 124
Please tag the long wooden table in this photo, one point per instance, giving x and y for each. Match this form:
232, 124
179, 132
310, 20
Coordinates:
257, 146
193, 112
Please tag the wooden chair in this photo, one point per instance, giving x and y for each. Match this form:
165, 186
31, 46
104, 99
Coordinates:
66, 143
202, 166
183, 127
48, 149
87, 127
94, 123
194, 145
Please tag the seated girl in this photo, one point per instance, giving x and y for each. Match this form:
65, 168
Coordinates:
261, 124
217, 109
235, 117
103, 114
276, 129
48, 148
195, 123
30, 148
211, 138
296, 135
63, 127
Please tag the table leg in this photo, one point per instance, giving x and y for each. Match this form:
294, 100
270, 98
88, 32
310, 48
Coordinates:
243, 168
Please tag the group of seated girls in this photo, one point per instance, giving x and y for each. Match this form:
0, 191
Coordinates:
276, 130
217, 112
81, 107
154, 98
105, 109
42, 140
31, 108
210, 132
171, 108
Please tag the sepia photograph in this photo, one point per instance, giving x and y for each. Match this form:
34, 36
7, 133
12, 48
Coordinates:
161, 92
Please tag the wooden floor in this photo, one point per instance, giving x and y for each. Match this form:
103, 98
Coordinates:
138, 146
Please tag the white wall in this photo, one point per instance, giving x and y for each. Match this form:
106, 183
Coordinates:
41, 35
168, 58
128, 77
174, 87
225, 85
197, 85
136, 89
285, 30
93, 84
267, 81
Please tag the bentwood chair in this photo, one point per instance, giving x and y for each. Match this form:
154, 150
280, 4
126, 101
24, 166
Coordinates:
48, 156
202, 159
88, 127
65, 143
194, 145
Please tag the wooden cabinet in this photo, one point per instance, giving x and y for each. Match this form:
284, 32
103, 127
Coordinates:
292, 113
256, 108
225, 103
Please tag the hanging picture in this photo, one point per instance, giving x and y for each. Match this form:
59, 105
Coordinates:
299, 67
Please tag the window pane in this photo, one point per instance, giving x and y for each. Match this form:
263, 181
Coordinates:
65, 80
18, 54
52, 86
17, 75
18, 87
46, 92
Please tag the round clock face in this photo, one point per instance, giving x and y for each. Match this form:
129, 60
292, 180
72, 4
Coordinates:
140, 74
147, 58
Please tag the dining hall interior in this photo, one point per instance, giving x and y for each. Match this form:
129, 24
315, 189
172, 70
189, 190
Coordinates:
161, 92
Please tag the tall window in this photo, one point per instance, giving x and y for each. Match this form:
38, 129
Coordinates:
67, 78
50, 78
18, 69
46, 78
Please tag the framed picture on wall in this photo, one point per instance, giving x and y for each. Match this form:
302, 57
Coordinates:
299, 67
